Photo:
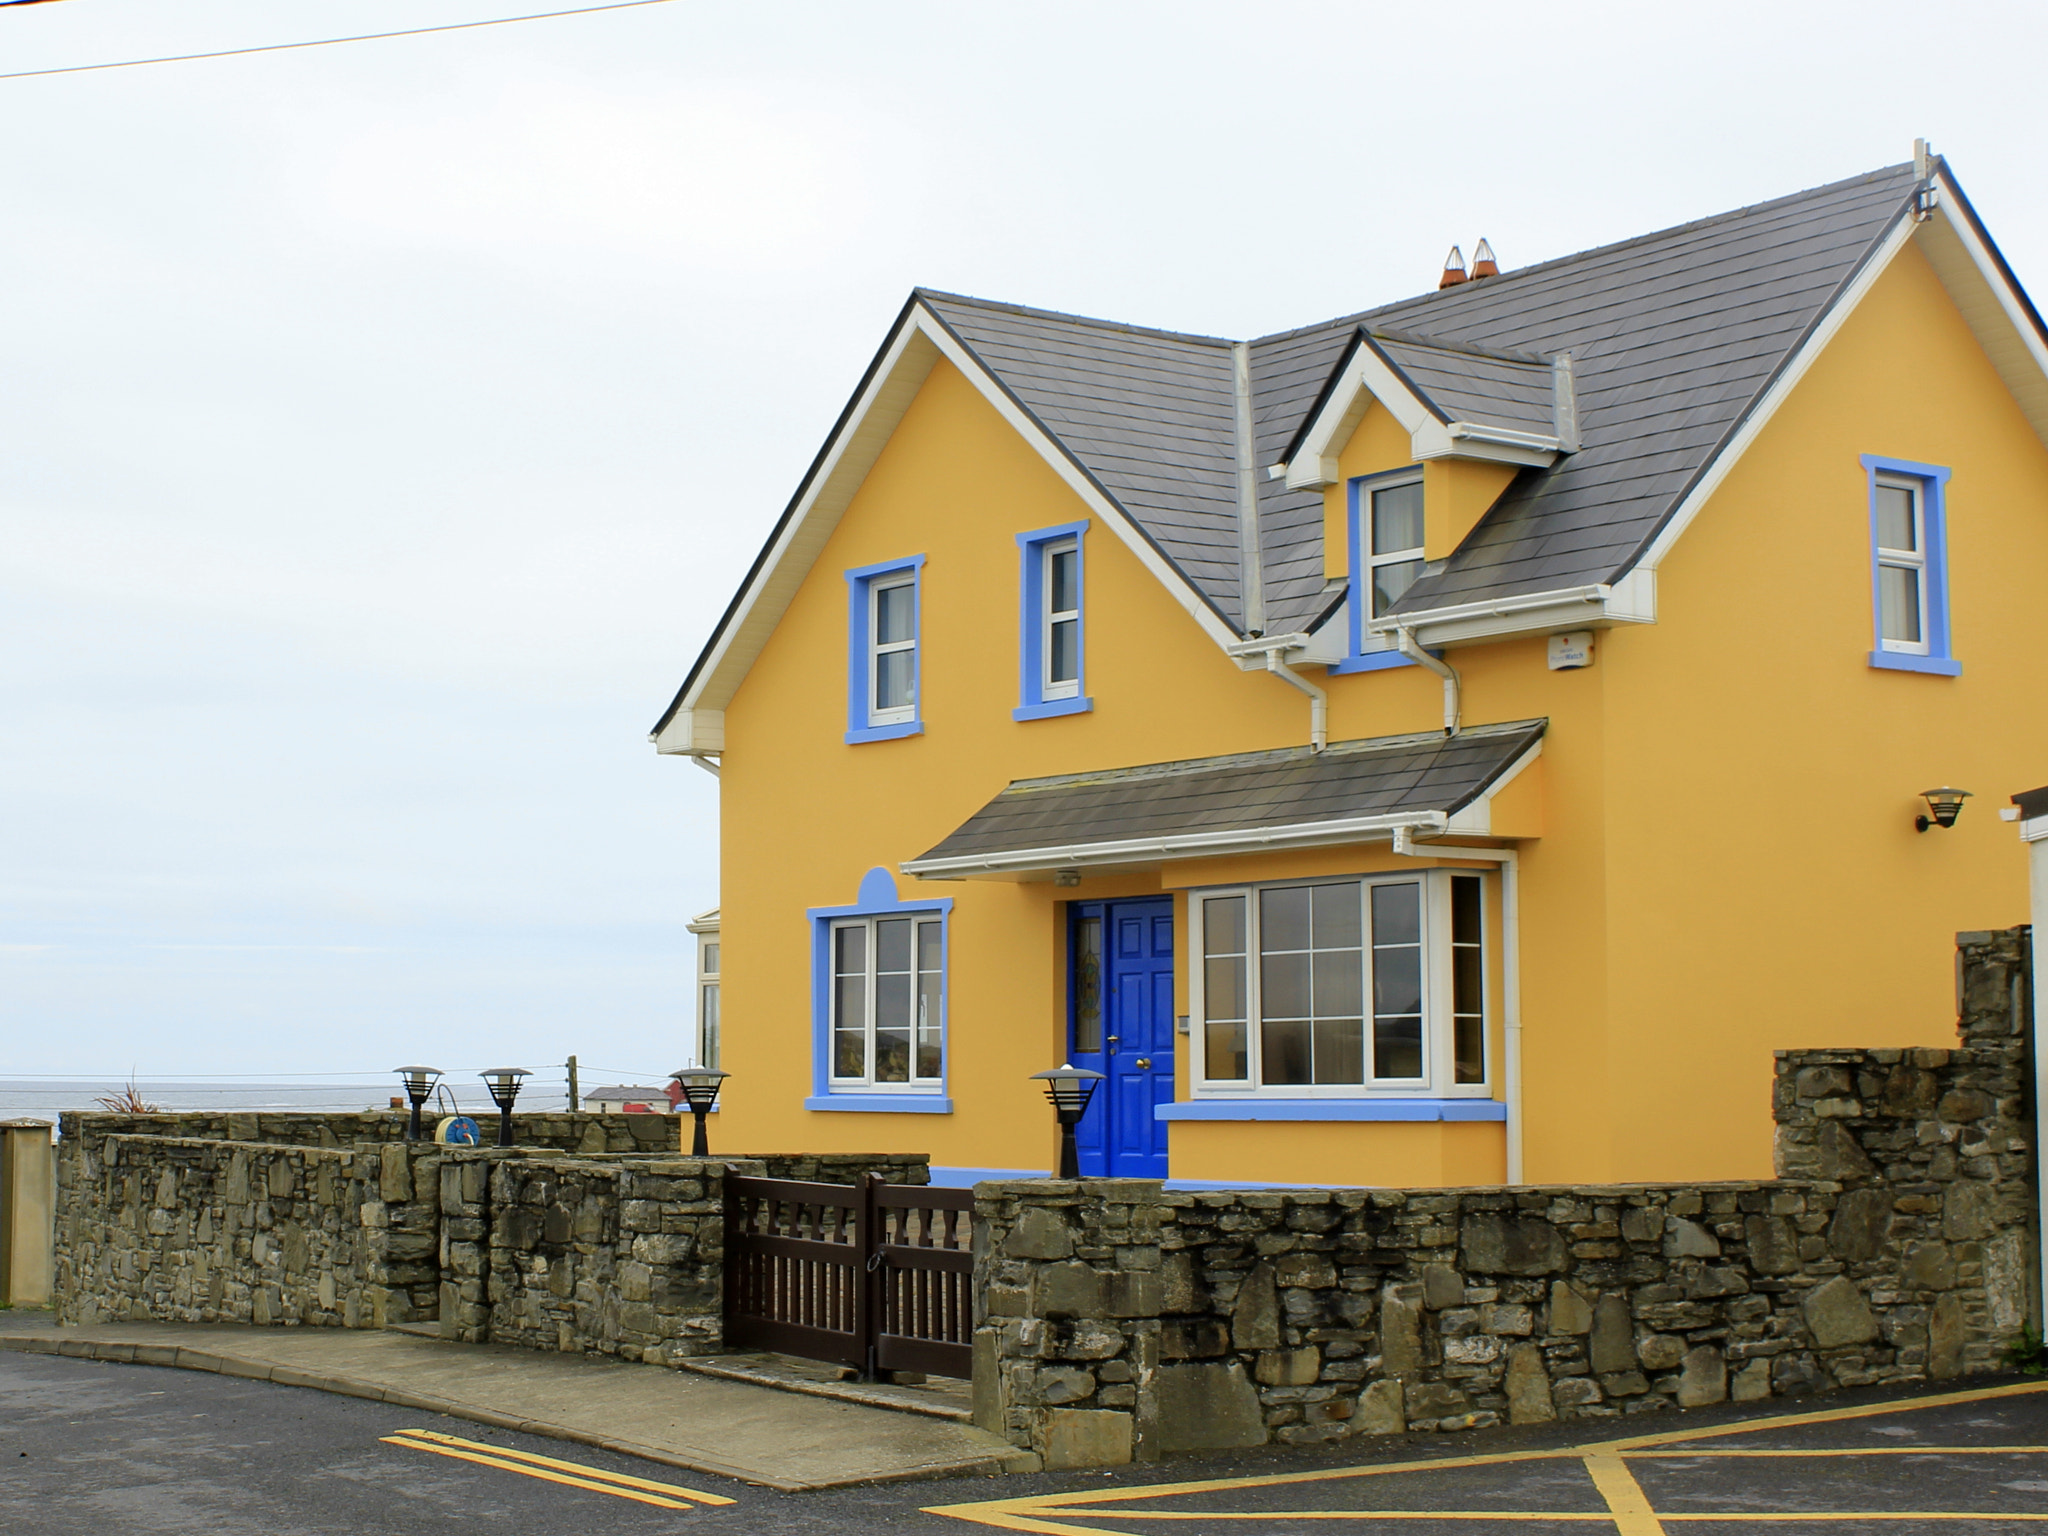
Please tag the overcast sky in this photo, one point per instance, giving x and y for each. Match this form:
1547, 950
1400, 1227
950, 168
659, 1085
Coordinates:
382, 426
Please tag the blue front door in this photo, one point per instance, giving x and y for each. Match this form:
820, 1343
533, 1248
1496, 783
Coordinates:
1120, 1023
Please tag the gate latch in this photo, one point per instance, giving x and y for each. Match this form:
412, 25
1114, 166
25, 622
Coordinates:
875, 1261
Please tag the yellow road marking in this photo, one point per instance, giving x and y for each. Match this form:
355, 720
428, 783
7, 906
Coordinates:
1624, 1495
1033, 1512
545, 1476
1874, 1450
671, 1490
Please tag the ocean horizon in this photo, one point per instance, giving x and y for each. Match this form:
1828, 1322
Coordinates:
46, 1098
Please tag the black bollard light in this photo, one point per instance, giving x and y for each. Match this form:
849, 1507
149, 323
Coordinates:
419, 1084
1069, 1088
700, 1087
504, 1085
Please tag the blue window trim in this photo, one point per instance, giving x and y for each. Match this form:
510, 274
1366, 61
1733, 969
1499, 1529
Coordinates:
1250, 1108
1031, 613
877, 898
1356, 657
1940, 658
859, 581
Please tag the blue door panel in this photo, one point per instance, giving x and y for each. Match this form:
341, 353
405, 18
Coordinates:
1119, 1136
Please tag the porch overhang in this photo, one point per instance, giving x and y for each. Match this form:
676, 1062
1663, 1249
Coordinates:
1129, 819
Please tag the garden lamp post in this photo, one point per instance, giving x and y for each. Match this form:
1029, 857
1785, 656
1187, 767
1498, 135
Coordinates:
504, 1085
1069, 1088
419, 1083
700, 1087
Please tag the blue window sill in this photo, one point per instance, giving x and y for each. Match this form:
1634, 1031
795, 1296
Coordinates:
885, 732
1901, 661
884, 1103
1051, 709
1372, 661
1333, 1109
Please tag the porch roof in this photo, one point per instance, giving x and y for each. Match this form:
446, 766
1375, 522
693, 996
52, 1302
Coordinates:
1129, 818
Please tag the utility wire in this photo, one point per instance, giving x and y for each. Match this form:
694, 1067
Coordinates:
320, 42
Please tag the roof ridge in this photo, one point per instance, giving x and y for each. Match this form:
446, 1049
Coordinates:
1004, 307
1361, 317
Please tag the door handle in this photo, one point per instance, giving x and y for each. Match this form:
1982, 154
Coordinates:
1143, 1063
1113, 1039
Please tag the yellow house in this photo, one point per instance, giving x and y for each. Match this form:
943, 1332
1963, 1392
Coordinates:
1455, 743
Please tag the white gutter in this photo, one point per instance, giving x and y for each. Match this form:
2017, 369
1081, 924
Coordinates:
1510, 968
1270, 647
1187, 845
1404, 638
1497, 608
2034, 834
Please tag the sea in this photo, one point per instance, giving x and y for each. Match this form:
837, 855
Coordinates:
44, 1098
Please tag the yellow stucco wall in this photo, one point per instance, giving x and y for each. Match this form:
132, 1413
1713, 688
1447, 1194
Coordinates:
1727, 863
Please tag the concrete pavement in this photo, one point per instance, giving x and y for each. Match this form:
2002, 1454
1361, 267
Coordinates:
782, 1439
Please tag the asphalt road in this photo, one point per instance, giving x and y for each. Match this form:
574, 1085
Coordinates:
88, 1447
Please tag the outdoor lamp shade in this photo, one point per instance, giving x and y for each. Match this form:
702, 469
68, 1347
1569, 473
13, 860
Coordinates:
699, 1086
419, 1082
1069, 1088
1943, 805
504, 1085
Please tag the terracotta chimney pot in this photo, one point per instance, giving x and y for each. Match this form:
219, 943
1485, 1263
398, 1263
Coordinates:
1483, 264
1454, 269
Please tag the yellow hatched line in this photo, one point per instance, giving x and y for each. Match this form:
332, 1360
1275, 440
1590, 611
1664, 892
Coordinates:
1624, 1495
1030, 1512
671, 1490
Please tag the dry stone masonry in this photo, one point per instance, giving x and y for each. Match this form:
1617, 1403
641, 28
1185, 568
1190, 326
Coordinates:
1125, 1322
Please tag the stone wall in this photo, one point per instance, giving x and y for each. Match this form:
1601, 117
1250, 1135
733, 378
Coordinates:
184, 1230
591, 1134
1121, 1321
584, 1256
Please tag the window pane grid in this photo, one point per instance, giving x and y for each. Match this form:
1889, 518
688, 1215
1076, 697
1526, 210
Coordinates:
1393, 542
892, 642
888, 1001
1060, 636
1901, 567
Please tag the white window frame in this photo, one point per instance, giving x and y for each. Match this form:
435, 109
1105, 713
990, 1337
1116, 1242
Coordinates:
1914, 560
707, 1000
1067, 688
902, 714
1374, 557
867, 1082
1438, 1024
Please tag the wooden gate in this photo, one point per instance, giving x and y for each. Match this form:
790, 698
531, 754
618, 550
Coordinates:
872, 1275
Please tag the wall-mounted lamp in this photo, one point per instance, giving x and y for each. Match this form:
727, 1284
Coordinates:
419, 1084
1943, 806
504, 1085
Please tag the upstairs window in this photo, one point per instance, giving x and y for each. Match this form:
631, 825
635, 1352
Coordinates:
885, 664
1909, 566
1344, 987
1052, 633
707, 1002
1386, 558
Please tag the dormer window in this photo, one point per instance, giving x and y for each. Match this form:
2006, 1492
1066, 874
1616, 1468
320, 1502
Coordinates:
1395, 535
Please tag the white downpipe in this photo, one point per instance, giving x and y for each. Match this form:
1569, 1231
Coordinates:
2037, 860
1510, 970
1404, 638
1318, 700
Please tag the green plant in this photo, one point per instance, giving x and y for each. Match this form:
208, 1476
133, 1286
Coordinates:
2027, 1352
128, 1102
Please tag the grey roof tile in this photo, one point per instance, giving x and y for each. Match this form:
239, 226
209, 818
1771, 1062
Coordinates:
1673, 335
1246, 791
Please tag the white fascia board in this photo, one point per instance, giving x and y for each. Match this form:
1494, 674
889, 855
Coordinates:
917, 347
1366, 378
2034, 831
1025, 863
1631, 600
1996, 314
1831, 321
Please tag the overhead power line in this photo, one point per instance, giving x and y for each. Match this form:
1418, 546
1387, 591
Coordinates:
318, 42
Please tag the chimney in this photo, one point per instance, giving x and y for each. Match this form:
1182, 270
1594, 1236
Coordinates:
1483, 264
1454, 269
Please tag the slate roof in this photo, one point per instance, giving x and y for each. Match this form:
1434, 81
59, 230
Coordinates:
1673, 336
1242, 792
